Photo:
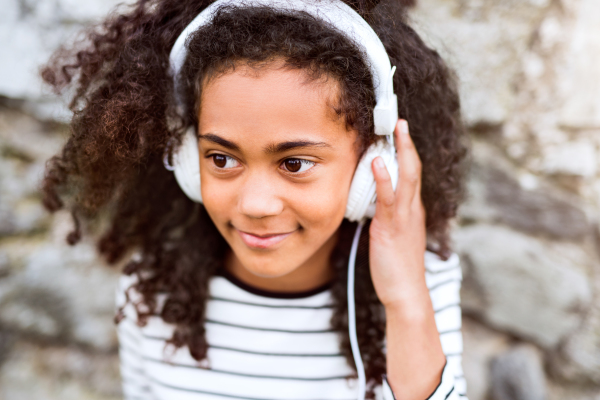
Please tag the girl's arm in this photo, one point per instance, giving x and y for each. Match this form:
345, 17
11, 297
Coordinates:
443, 279
418, 328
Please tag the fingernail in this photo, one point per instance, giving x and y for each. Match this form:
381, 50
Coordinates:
379, 163
404, 127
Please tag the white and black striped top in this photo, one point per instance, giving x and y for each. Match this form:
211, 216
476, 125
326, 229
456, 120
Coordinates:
267, 346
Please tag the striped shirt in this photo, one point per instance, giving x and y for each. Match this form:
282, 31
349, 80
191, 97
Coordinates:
267, 346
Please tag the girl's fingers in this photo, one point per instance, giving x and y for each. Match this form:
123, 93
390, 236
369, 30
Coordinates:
408, 191
409, 168
385, 191
416, 201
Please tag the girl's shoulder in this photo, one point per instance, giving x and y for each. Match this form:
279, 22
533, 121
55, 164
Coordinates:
435, 264
443, 277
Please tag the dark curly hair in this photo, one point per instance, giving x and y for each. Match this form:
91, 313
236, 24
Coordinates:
124, 117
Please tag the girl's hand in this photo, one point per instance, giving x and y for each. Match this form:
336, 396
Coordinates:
397, 231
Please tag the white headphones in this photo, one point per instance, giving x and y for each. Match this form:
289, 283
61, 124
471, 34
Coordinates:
362, 196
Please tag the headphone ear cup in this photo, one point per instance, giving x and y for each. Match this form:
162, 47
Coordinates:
362, 196
186, 166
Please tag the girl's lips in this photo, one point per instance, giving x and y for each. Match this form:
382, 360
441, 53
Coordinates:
262, 242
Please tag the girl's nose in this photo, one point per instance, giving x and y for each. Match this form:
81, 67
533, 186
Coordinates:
259, 198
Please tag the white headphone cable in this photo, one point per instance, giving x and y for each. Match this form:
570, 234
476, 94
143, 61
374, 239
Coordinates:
352, 313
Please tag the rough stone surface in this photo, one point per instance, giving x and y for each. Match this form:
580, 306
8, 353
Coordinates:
572, 392
30, 30
576, 158
482, 345
497, 196
60, 292
25, 144
499, 30
534, 211
36, 311
58, 373
581, 82
518, 375
577, 360
519, 284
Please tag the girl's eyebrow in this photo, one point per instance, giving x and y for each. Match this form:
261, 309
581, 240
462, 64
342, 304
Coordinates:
270, 149
211, 137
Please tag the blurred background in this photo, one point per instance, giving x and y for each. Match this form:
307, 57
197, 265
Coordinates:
528, 236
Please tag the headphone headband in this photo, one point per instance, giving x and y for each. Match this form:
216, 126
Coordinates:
339, 15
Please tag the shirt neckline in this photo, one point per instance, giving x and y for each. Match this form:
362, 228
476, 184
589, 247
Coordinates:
268, 293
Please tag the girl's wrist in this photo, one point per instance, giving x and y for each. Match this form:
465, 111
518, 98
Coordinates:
412, 310
412, 299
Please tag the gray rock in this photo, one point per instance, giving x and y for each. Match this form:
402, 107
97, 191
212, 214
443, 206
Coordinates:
64, 293
580, 80
59, 373
7, 339
577, 360
26, 139
476, 207
533, 211
25, 145
518, 375
4, 265
481, 346
24, 216
36, 311
496, 196
30, 30
574, 158
520, 284
563, 390
500, 30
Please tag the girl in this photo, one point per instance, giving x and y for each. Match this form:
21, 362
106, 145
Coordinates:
270, 113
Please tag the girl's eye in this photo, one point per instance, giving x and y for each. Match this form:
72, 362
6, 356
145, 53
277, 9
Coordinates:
298, 165
224, 162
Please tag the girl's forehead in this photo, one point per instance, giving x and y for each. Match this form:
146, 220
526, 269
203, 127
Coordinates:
271, 105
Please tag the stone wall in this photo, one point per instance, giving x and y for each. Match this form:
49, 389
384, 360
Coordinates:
528, 235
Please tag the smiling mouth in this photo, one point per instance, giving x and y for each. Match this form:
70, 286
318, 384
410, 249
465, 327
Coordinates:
262, 241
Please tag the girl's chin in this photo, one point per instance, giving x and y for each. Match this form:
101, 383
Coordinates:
272, 268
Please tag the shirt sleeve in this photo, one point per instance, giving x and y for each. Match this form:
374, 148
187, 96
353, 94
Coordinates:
135, 383
443, 281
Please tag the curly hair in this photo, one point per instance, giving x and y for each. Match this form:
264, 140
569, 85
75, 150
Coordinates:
123, 105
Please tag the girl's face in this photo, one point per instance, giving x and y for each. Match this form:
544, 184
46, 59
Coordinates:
276, 165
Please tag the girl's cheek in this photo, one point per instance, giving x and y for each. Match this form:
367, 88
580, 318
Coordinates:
324, 206
217, 198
